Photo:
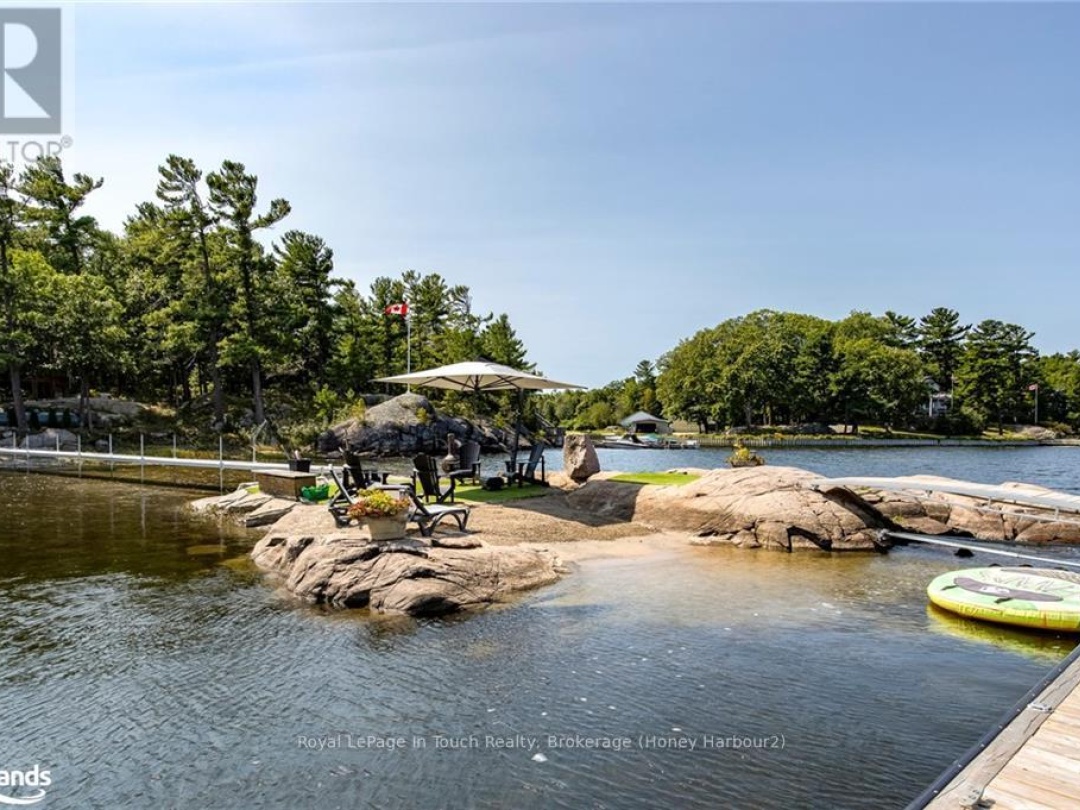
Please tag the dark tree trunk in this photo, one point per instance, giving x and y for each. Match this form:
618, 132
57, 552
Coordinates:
185, 385
215, 381
85, 416
17, 398
256, 391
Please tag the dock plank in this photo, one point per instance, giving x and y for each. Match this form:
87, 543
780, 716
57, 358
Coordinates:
1005, 799
1053, 741
1032, 776
1033, 762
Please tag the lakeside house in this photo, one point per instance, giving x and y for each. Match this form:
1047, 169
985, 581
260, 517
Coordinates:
642, 422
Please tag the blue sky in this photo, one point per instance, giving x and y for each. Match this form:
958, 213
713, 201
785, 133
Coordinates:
616, 177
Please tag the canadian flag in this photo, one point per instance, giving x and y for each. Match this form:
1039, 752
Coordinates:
398, 309
1033, 387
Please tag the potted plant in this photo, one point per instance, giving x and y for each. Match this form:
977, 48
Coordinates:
385, 513
744, 457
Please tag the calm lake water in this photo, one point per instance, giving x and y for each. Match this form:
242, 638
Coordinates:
146, 664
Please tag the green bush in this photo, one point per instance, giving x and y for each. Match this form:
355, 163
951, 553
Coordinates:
961, 423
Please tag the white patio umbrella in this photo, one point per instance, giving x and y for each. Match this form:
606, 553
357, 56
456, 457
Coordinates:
480, 375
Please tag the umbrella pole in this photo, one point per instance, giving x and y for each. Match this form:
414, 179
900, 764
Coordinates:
517, 432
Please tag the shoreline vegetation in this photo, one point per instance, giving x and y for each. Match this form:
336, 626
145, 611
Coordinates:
231, 329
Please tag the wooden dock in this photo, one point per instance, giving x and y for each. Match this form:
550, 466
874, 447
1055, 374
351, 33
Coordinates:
1029, 761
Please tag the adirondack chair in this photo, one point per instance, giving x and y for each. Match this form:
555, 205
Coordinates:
355, 477
526, 471
425, 516
468, 464
426, 472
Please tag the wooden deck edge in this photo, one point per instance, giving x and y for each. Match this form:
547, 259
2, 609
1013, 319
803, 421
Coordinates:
992, 753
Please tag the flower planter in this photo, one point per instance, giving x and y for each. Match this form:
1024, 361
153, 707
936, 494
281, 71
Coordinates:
300, 464
386, 528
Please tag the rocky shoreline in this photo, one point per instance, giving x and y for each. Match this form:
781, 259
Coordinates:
519, 545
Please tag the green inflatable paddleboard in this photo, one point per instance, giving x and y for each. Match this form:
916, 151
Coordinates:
1026, 597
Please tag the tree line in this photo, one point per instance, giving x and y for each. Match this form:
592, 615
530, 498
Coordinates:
188, 306
779, 368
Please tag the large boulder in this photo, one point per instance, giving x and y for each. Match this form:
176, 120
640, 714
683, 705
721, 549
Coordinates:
51, 439
323, 564
921, 510
401, 426
769, 507
580, 461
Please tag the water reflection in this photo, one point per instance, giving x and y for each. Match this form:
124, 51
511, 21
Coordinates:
1048, 647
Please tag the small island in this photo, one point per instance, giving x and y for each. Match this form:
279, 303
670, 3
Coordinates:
519, 545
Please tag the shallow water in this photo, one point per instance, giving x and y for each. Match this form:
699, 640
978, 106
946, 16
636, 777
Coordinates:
146, 664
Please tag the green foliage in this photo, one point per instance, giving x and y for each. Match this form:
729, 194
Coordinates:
305, 303
195, 305
190, 304
1059, 395
599, 408
941, 340
997, 365
768, 368
51, 213
742, 456
326, 403
875, 381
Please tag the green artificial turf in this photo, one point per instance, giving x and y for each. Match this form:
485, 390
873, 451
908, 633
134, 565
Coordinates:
477, 494
657, 478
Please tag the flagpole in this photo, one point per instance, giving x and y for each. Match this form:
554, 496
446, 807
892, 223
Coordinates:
408, 345
1036, 405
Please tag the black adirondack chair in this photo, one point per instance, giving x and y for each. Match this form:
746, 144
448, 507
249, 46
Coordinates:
426, 472
526, 471
468, 463
356, 477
